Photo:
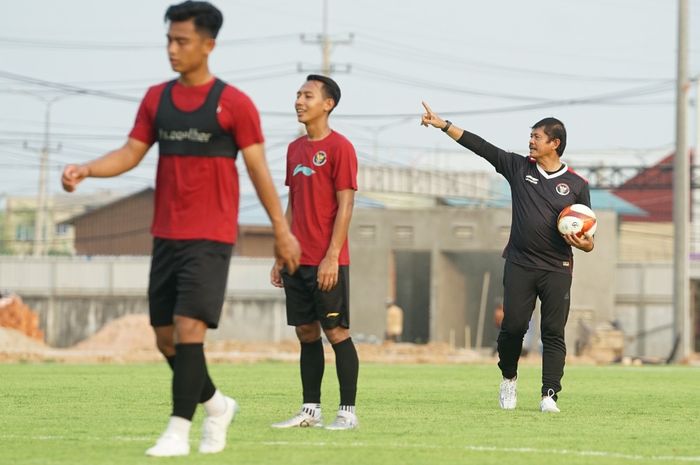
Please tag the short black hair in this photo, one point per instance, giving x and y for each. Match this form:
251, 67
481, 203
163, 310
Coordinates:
207, 18
329, 88
554, 129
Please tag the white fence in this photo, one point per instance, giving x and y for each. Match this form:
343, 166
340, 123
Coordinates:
643, 295
115, 276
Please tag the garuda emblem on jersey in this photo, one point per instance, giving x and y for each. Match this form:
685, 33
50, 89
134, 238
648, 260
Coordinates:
320, 158
562, 189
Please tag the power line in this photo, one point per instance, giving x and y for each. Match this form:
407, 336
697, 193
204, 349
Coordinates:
378, 45
441, 86
65, 87
129, 46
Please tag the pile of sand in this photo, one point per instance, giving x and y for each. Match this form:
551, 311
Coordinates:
13, 340
125, 334
130, 339
15, 314
17, 346
220, 351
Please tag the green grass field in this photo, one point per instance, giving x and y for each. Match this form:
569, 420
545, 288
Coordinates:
410, 414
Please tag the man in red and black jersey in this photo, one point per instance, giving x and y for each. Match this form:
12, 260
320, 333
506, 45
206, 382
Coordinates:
200, 124
539, 261
322, 180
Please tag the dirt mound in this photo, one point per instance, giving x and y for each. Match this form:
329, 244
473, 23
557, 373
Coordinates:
12, 340
220, 351
15, 314
125, 334
130, 339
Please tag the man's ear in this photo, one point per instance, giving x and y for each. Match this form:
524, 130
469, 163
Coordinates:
209, 44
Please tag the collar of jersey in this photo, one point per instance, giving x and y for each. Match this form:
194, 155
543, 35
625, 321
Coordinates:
546, 175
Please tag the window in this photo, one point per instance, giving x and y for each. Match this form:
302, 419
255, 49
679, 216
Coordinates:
24, 232
62, 229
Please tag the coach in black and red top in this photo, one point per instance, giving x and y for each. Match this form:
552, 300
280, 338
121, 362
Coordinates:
539, 261
322, 180
200, 124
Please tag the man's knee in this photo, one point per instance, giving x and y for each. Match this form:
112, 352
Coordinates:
165, 340
552, 332
515, 328
189, 330
309, 332
337, 334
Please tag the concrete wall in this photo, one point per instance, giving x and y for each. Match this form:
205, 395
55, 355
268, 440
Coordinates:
464, 245
644, 308
595, 278
76, 296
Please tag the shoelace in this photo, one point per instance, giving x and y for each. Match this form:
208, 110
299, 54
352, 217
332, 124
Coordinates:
551, 393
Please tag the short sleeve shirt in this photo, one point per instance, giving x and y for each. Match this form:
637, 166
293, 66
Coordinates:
196, 197
316, 171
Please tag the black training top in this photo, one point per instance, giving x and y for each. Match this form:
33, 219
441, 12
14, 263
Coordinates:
193, 133
537, 197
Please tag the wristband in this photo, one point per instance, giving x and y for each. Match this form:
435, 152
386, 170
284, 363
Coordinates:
447, 126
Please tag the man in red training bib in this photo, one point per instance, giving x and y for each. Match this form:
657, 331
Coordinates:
200, 124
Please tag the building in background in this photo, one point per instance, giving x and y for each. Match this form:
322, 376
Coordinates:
123, 227
18, 219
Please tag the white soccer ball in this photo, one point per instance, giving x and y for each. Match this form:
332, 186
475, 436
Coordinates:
577, 219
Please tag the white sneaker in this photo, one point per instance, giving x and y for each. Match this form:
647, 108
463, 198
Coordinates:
508, 394
548, 404
214, 429
307, 417
344, 420
169, 445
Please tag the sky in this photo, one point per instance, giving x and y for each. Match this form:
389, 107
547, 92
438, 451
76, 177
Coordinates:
605, 67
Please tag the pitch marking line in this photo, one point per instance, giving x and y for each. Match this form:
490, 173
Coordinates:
517, 450
522, 450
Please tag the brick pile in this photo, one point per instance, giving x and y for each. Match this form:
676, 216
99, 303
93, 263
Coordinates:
15, 314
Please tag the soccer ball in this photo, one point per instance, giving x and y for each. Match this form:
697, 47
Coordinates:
577, 219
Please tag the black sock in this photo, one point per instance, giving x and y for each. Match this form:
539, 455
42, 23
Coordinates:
207, 391
312, 362
347, 365
188, 379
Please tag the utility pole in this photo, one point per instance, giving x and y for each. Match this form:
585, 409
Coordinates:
694, 170
327, 44
681, 192
40, 219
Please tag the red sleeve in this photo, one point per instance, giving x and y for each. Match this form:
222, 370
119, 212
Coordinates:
345, 168
244, 118
144, 126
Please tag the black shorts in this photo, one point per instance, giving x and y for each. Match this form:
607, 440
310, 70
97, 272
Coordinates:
306, 303
188, 278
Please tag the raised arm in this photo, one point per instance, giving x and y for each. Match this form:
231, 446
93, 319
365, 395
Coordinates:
111, 164
429, 118
476, 144
287, 250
